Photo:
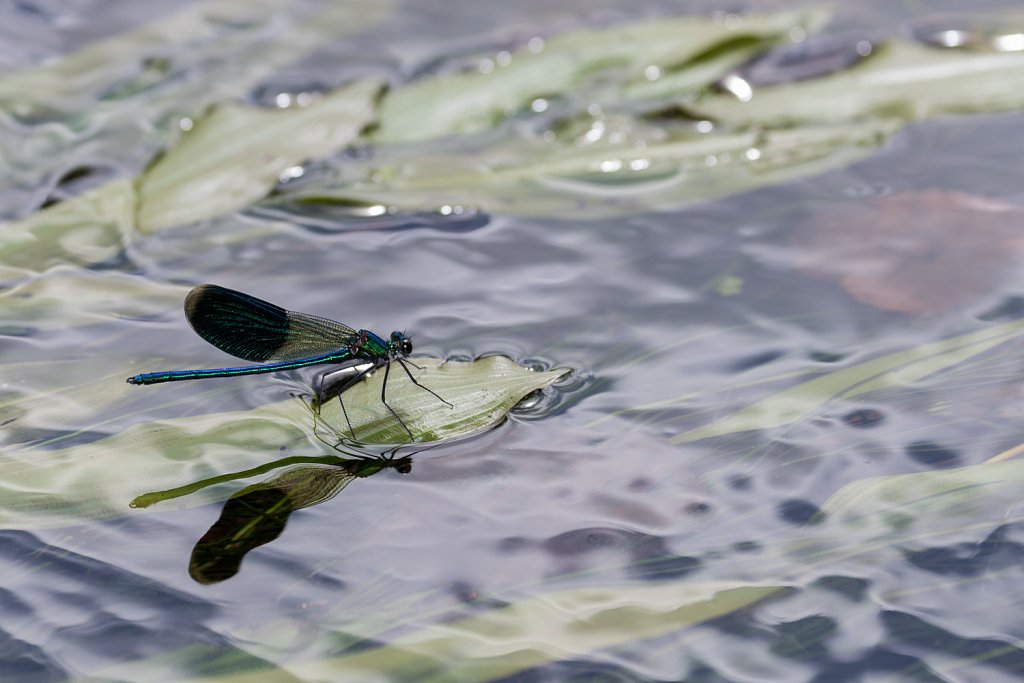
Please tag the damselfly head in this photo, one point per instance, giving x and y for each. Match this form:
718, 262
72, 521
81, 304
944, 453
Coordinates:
402, 343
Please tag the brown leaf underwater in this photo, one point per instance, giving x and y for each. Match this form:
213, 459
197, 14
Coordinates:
915, 252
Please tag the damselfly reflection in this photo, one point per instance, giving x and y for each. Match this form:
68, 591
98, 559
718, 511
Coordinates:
258, 514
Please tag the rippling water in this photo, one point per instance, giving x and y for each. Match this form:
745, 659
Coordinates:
669, 320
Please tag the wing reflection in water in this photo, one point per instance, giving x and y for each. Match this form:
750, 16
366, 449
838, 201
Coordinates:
258, 514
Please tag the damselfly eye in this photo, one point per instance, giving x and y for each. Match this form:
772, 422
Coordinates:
406, 347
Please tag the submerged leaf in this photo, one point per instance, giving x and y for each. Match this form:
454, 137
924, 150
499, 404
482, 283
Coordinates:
904, 511
915, 252
896, 369
527, 634
925, 500
861, 521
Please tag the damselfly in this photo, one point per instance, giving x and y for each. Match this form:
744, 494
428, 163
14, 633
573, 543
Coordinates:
278, 339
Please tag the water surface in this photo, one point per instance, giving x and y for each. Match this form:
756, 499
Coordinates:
668, 320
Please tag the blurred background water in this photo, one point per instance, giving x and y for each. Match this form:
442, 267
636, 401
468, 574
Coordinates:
578, 487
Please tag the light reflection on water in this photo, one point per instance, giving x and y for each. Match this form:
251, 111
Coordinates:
689, 313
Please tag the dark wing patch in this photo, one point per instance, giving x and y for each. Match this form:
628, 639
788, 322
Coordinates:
257, 330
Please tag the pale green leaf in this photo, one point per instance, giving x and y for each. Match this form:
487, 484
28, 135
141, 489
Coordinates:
236, 155
86, 230
214, 170
526, 634
688, 79
863, 519
66, 296
99, 479
873, 516
896, 369
74, 81
922, 501
482, 392
900, 79
475, 101
121, 98
568, 180
59, 398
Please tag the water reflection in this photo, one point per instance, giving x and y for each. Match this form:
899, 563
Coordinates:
258, 514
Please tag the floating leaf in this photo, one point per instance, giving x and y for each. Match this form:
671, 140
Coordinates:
120, 99
73, 82
896, 369
900, 80
86, 230
44, 403
564, 179
482, 392
214, 170
94, 227
99, 479
64, 296
475, 101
